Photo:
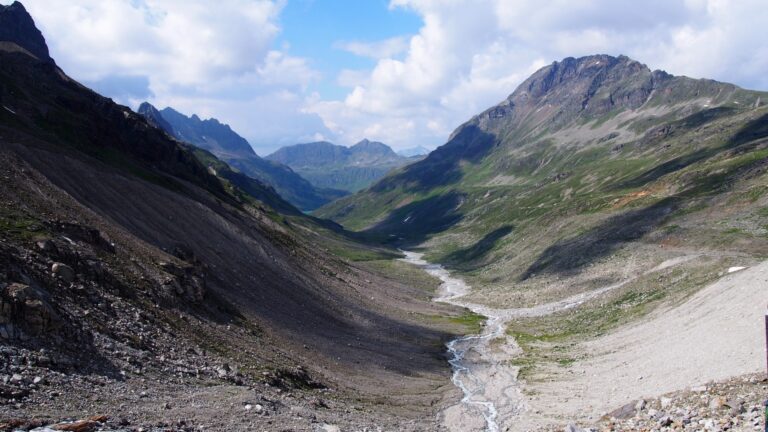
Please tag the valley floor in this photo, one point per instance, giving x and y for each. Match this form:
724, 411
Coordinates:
714, 335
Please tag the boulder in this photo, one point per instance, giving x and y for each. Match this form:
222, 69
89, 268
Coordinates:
624, 412
666, 402
46, 246
717, 403
78, 426
63, 272
25, 311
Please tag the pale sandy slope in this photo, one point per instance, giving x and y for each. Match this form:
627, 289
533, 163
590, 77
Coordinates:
718, 333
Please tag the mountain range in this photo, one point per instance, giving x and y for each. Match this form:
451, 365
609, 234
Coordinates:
328, 165
226, 144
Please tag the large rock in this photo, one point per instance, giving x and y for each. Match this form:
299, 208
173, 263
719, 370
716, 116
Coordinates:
25, 311
63, 272
624, 412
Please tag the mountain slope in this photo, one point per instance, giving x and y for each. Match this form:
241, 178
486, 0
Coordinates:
590, 162
333, 166
221, 140
130, 266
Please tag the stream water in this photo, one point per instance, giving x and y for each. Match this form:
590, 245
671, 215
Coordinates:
464, 367
480, 363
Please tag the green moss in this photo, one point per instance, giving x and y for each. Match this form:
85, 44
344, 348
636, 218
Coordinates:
18, 226
735, 231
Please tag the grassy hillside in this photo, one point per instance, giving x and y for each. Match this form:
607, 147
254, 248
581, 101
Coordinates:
591, 170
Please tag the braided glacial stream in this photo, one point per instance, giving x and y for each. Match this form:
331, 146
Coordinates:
475, 411
480, 363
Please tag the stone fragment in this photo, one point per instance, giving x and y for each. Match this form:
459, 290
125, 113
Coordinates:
63, 272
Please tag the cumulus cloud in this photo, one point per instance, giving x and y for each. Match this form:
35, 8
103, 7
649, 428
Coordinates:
380, 49
200, 57
470, 54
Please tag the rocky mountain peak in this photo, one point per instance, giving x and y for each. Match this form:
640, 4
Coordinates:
595, 83
372, 147
18, 27
585, 87
570, 71
154, 117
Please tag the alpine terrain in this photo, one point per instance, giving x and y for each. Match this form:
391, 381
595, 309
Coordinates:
589, 254
328, 165
599, 195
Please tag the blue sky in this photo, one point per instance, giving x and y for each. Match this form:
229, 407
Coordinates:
315, 29
404, 72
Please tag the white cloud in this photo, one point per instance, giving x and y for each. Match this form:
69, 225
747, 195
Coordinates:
281, 69
380, 49
173, 41
470, 54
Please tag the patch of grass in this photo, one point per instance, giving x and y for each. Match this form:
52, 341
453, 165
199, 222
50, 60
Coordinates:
358, 254
404, 273
468, 323
735, 231
472, 321
20, 227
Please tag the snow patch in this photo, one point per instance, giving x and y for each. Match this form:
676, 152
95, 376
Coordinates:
735, 269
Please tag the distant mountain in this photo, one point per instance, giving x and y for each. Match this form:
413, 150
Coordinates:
414, 151
222, 141
209, 134
329, 165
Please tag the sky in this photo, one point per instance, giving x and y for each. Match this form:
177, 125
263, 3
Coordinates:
404, 72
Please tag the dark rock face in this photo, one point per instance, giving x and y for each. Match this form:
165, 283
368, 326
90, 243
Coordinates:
154, 117
25, 311
209, 134
588, 86
17, 26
